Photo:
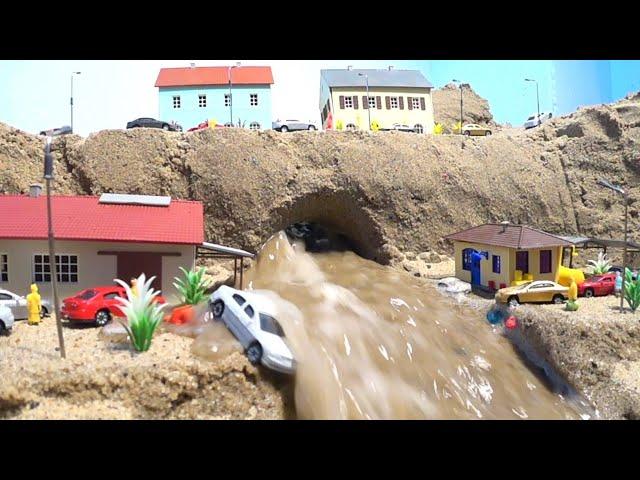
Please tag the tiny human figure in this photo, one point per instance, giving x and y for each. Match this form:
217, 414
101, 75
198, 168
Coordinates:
618, 286
34, 305
134, 286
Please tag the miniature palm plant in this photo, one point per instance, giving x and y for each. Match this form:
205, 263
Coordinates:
193, 287
143, 314
599, 266
438, 129
193, 290
631, 290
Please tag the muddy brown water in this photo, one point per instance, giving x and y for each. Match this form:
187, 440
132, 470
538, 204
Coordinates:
375, 343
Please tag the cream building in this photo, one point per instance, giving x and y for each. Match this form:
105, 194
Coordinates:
98, 239
394, 97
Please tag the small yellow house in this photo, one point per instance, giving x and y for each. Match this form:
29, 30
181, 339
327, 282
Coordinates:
350, 97
496, 255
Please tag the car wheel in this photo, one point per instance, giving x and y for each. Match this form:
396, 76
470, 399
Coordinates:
284, 129
44, 312
487, 133
513, 301
218, 309
254, 353
165, 127
557, 299
467, 133
102, 318
2, 328
589, 292
312, 128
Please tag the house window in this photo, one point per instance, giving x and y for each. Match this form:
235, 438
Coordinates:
202, 101
418, 128
348, 102
254, 126
176, 101
545, 261
466, 258
253, 99
372, 102
496, 263
415, 103
394, 102
66, 265
227, 100
522, 262
351, 127
4, 267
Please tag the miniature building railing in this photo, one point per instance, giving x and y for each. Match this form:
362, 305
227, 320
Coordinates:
213, 250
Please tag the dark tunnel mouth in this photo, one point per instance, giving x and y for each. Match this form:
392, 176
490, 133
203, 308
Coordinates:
321, 237
343, 213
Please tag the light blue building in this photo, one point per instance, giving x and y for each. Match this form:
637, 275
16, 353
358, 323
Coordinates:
238, 95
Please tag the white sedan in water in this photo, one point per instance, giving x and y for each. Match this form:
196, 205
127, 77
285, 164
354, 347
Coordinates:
251, 319
18, 304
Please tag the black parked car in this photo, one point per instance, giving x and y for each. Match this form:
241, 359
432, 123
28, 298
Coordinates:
57, 131
153, 123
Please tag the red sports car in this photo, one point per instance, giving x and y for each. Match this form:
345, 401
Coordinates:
598, 285
97, 304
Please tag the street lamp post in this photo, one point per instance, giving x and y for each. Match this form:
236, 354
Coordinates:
48, 176
366, 79
459, 82
537, 97
72, 74
617, 189
230, 98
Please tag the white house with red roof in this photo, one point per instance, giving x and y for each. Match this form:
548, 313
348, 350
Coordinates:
97, 239
235, 95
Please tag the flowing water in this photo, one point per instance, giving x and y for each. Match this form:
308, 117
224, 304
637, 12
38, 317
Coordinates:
375, 343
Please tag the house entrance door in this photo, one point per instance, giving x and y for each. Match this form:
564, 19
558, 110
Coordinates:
132, 264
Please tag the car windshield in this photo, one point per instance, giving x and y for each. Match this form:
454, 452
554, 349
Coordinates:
597, 278
524, 285
87, 294
271, 325
531, 117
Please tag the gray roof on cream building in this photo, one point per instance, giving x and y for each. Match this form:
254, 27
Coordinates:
377, 78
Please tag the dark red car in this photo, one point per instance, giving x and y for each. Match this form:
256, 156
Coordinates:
598, 285
97, 304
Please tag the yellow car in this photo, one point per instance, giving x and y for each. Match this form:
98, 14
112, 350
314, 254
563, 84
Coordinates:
533, 292
475, 130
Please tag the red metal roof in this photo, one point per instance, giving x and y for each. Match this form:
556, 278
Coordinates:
83, 218
511, 236
183, 77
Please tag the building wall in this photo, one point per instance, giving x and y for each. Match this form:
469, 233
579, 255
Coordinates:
93, 269
486, 266
191, 114
508, 263
385, 117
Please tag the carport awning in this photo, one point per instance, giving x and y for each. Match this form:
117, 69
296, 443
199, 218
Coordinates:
236, 252
588, 242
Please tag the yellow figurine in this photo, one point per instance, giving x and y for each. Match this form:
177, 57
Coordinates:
134, 286
573, 291
34, 305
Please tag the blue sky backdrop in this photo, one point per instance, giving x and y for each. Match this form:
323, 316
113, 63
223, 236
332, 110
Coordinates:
34, 95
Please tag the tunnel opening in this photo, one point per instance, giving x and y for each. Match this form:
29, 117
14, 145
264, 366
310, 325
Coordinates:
332, 220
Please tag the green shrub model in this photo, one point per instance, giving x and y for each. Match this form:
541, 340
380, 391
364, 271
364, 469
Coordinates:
143, 314
631, 290
193, 290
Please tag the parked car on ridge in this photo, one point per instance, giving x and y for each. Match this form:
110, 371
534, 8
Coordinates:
291, 125
18, 305
146, 122
97, 304
57, 131
538, 291
598, 285
532, 121
473, 129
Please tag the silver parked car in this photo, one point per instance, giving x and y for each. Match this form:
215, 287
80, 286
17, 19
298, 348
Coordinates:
6, 319
291, 125
18, 305
533, 121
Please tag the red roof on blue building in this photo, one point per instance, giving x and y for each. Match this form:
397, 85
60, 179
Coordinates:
85, 218
193, 76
